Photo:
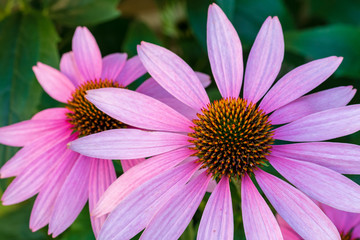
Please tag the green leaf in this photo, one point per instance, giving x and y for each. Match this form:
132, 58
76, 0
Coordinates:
337, 11
338, 40
83, 12
136, 33
228, 6
197, 15
24, 40
14, 223
247, 16
251, 14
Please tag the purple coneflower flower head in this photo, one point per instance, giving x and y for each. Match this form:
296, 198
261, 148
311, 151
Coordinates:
229, 139
65, 180
348, 224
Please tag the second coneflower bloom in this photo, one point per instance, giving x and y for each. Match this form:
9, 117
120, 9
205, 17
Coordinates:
63, 179
229, 139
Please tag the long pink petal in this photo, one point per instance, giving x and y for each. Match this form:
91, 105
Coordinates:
132, 70
320, 183
312, 103
217, 221
34, 176
328, 124
25, 132
69, 68
51, 114
128, 144
102, 174
44, 203
56, 84
178, 211
204, 79
135, 212
212, 184
34, 151
298, 82
72, 197
287, 232
344, 221
151, 88
341, 157
112, 65
127, 164
259, 221
137, 176
225, 53
138, 110
264, 60
173, 74
87, 54
302, 214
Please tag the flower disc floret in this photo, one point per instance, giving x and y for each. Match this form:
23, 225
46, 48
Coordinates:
85, 118
232, 137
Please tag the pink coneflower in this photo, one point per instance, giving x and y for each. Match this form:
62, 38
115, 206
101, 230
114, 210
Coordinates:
65, 180
348, 224
232, 138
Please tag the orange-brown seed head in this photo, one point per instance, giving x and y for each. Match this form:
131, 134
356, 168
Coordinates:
84, 116
231, 137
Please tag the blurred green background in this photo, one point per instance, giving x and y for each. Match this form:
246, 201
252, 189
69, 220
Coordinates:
41, 30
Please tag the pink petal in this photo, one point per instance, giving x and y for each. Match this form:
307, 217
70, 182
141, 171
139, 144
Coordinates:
25, 132
172, 219
136, 211
217, 221
264, 60
138, 110
204, 79
329, 124
51, 114
341, 157
259, 221
151, 88
225, 53
112, 65
298, 211
34, 176
128, 144
173, 74
212, 184
56, 84
344, 221
312, 103
320, 183
72, 197
136, 176
287, 232
44, 203
69, 68
132, 70
127, 164
298, 82
102, 174
34, 151
87, 54
356, 232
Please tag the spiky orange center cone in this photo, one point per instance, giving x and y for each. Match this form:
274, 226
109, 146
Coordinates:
85, 118
231, 137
